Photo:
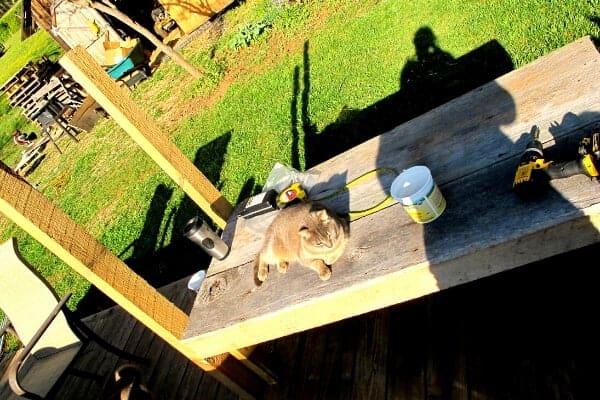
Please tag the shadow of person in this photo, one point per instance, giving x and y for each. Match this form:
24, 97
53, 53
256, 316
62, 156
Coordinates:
473, 144
426, 78
430, 78
433, 76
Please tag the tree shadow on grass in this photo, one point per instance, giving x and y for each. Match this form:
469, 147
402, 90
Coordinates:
596, 20
152, 258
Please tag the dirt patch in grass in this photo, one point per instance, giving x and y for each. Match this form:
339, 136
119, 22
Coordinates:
242, 64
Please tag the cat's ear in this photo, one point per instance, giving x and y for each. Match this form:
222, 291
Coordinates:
322, 215
304, 232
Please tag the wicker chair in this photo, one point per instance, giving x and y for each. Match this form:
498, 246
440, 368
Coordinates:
51, 336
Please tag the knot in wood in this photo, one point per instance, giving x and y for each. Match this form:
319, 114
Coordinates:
215, 289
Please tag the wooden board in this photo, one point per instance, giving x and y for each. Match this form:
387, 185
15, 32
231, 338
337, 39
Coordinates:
472, 145
86, 115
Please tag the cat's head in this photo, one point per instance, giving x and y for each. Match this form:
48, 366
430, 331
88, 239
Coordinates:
322, 229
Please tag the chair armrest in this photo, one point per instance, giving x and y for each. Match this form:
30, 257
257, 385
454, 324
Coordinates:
13, 380
21, 354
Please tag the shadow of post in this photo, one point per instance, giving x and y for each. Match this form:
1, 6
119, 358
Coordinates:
152, 258
184, 256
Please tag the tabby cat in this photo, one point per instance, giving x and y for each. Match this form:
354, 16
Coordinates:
308, 233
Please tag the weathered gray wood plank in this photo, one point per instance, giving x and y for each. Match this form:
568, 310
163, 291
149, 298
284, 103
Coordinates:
558, 92
370, 369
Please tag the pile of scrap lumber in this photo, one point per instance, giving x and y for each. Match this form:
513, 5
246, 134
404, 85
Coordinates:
43, 91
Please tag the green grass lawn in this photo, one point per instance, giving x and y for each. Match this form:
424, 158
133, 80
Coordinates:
316, 78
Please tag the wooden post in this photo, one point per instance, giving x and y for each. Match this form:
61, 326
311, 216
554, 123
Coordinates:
145, 132
54, 229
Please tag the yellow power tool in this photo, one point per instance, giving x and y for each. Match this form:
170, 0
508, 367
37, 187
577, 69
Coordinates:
535, 171
292, 194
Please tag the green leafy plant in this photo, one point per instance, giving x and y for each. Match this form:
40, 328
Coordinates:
249, 33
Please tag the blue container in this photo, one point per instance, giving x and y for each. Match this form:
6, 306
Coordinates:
133, 59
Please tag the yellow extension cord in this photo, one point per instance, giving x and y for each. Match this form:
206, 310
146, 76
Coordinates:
352, 215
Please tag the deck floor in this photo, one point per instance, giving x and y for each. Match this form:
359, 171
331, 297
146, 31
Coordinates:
529, 333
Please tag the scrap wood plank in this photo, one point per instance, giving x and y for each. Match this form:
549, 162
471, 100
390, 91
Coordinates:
29, 158
472, 145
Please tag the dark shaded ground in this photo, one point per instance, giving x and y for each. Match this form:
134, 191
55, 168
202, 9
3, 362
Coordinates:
521, 334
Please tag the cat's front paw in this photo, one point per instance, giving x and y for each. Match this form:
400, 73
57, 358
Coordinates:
262, 273
325, 273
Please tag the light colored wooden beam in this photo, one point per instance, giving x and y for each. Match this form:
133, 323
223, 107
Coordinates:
144, 131
55, 230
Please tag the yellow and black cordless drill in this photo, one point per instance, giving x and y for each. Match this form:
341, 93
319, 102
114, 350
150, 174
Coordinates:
535, 171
